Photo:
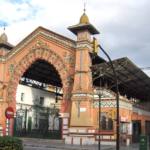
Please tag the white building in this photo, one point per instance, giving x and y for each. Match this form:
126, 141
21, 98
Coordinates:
37, 109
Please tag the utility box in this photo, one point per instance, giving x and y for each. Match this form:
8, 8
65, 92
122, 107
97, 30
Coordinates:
144, 142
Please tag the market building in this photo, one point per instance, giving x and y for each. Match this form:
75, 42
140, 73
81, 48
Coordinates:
70, 85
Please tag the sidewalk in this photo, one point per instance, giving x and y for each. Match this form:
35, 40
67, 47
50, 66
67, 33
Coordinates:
54, 144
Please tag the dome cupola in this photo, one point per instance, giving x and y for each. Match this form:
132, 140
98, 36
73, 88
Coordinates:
4, 44
83, 25
84, 19
3, 38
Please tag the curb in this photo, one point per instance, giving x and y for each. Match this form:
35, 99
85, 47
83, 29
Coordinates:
62, 147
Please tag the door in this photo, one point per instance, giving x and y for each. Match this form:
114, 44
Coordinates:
136, 128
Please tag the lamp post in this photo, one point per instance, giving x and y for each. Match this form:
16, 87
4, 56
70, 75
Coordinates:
95, 50
117, 99
99, 108
99, 141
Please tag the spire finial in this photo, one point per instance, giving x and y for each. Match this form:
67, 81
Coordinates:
4, 27
84, 18
84, 7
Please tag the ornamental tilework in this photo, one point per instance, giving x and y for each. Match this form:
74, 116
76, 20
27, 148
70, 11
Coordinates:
104, 104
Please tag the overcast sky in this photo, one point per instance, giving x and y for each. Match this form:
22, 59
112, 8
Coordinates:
124, 24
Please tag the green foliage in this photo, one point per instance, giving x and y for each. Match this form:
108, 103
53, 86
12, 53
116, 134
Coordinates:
10, 143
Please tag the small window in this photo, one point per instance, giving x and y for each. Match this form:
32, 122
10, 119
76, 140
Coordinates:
22, 97
123, 127
41, 101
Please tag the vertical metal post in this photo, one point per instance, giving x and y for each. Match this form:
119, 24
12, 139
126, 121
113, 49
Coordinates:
56, 95
99, 141
36, 115
99, 94
118, 123
25, 122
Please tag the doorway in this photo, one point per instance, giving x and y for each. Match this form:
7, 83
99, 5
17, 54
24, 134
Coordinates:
136, 128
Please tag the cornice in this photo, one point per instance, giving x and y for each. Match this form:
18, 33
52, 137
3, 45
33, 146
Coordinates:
83, 45
62, 40
52, 36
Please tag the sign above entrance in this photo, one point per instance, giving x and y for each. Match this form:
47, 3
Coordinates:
9, 113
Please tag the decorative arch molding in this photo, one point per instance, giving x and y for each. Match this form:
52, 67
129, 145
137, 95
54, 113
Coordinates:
39, 51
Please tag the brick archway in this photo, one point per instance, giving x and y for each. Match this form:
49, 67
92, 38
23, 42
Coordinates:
40, 52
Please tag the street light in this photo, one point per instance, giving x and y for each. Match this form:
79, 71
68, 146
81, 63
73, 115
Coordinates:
95, 50
117, 99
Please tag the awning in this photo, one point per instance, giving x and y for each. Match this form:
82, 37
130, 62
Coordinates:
133, 82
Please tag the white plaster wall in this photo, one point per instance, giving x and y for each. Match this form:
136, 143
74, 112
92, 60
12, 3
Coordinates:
30, 94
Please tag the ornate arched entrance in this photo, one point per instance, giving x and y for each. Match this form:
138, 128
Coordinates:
33, 55
39, 51
38, 98
72, 60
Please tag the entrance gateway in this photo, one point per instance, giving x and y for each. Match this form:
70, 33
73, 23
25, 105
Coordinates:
52, 59
38, 97
64, 104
